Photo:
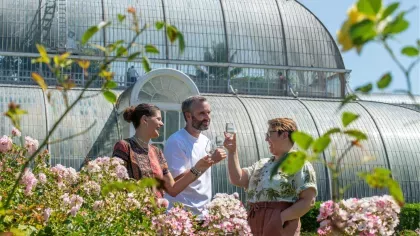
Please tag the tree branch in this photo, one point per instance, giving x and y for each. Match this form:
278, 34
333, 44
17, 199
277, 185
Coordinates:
74, 135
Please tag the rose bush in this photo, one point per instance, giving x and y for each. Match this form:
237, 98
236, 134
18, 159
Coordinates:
366, 216
100, 199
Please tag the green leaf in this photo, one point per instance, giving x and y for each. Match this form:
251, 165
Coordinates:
390, 9
332, 131
121, 18
365, 89
302, 139
151, 49
43, 53
359, 135
378, 178
110, 84
159, 25
349, 98
89, 33
181, 42
133, 56
348, 117
362, 32
381, 178
397, 26
289, 163
385, 81
146, 64
110, 96
396, 192
172, 33
121, 51
39, 80
92, 31
293, 162
369, 7
321, 144
410, 51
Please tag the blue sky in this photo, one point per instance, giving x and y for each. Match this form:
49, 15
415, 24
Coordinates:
374, 61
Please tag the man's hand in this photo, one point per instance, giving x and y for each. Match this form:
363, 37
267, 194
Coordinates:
218, 155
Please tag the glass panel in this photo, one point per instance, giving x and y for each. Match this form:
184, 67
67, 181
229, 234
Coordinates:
172, 122
203, 29
255, 32
149, 11
314, 83
309, 44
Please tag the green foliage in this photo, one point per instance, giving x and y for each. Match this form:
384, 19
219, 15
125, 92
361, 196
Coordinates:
92, 31
359, 135
362, 32
384, 81
348, 117
303, 140
369, 7
409, 217
110, 96
381, 178
151, 49
365, 89
321, 144
410, 51
389, 10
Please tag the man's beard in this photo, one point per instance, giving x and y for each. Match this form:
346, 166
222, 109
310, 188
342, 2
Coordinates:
198, 125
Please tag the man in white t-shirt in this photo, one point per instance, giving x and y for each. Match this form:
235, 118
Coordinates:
185, 147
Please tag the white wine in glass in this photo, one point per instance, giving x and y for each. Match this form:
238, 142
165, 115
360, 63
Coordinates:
230, 129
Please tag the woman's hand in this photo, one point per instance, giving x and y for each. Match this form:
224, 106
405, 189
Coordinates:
204, 163
230, 142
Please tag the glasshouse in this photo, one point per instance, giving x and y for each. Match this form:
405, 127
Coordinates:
252, 60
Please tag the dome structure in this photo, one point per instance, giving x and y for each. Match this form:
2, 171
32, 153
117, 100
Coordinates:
249, 45
252, 60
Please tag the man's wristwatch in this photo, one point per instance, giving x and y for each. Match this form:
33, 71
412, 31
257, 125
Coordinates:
195, 171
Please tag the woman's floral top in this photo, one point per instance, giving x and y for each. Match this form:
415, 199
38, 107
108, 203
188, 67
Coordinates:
283, 187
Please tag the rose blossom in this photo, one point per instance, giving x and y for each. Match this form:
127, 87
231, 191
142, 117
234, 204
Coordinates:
31, 144
42, 178
162, 202
16, 132
6, 144
30, 181
47, 214
97, 205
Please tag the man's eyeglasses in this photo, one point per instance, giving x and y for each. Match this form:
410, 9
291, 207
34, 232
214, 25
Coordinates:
268, 134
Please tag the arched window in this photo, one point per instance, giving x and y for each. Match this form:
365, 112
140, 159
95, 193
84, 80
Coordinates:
166, 88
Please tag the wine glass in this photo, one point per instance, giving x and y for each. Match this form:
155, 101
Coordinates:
210, 147
230, 129
219, 142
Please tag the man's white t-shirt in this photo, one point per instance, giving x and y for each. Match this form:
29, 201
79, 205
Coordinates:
182, 151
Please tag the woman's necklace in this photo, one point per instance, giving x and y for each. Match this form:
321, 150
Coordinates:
139, 142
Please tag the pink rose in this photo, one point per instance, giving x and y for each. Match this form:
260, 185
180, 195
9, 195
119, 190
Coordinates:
6, 144
31, 144
42, 178
47, 214
162, 202
97, 205
16, 132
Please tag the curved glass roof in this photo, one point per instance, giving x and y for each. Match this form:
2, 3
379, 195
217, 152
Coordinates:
394, 133
264, 32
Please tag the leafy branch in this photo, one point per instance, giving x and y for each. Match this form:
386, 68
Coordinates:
61, 62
